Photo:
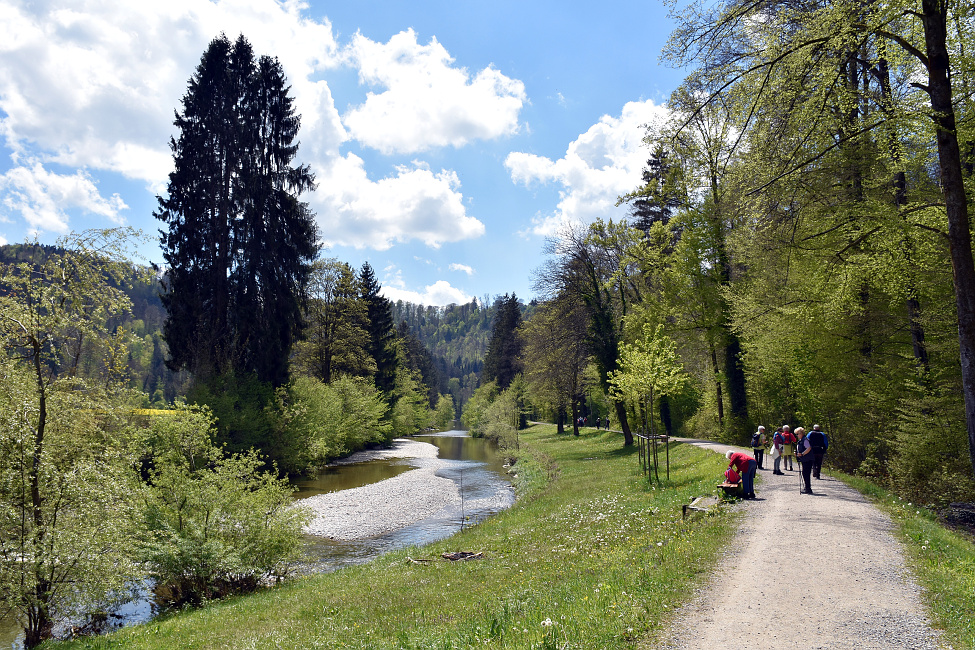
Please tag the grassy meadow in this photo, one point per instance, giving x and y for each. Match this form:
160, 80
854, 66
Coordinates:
590, 556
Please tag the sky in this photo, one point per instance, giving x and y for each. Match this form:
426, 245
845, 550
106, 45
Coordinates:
449, 138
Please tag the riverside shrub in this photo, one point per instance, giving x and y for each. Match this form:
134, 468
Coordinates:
212, 524
322, 422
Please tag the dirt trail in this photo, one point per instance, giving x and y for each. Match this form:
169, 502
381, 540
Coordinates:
807, 571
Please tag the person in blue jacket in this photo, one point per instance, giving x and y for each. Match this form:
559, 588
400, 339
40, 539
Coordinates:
820, 443
804, 454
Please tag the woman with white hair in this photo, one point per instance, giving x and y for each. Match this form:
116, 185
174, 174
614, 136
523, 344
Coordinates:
788, 449
758, 445
746, 466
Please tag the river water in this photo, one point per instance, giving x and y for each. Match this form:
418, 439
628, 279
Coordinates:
473, 463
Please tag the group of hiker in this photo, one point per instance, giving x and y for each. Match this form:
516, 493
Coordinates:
583, 421
785, 448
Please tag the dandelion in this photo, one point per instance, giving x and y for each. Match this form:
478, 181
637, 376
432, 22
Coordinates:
547, 623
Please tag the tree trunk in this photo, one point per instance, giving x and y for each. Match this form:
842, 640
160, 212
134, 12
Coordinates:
39, 623
624, 424
956, 204
899, 187
575, 415
735, 376
717, 384
665, 415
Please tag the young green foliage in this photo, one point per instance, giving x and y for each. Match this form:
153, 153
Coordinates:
65, 508
649, 369
212, 524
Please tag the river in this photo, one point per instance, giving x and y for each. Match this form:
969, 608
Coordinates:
474, 464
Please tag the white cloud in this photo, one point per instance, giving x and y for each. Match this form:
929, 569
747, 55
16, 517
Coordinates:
462, 267
42, 198
93, 86
601, 164
427, 102
439, 293
413, 204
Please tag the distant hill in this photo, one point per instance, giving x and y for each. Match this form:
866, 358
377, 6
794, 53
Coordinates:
457, 337
147, 354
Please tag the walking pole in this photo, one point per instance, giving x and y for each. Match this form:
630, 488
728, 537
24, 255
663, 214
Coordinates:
799, 472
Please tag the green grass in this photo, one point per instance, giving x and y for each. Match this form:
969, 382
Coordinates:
589, 557
941, 560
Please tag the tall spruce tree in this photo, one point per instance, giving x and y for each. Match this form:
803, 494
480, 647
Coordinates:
239, 243
382, 333
660, 194
503, 359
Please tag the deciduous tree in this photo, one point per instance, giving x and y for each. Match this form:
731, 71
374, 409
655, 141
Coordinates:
65, 506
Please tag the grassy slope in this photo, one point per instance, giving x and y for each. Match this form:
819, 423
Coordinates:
589, 548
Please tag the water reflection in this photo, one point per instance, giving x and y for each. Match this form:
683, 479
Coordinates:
347, 477
11, 633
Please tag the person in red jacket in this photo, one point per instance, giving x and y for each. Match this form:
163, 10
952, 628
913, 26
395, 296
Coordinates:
788, 449
746, 466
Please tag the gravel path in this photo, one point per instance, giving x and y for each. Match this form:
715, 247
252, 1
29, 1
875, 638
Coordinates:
807, 571
387, 505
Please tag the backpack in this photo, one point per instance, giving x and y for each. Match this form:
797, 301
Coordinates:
789, 438
755, 442
777, 439
818, 441
731, 476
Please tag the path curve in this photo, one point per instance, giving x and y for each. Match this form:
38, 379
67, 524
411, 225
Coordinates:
806, 571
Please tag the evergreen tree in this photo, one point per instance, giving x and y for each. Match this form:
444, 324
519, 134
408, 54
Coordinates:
419, 359
382, 335
659, 196
239, 242
503, 359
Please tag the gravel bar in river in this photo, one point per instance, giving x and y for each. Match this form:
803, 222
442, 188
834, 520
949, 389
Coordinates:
387, 505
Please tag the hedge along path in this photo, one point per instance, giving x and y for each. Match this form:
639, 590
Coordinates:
806, 571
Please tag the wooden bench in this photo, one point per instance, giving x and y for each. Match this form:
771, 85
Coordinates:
730, 489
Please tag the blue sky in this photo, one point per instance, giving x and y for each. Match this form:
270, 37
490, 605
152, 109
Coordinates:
449, 139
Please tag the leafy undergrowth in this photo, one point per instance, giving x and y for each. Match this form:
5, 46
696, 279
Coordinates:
591, 556
942, 562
